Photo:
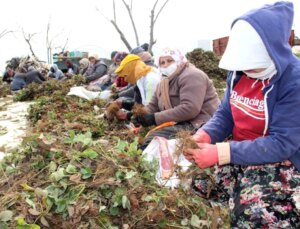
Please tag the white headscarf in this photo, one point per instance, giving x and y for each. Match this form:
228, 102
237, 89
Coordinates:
177, 56
246, 51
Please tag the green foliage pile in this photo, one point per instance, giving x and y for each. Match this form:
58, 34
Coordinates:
76, 170
4, 89
34, 91
208, 62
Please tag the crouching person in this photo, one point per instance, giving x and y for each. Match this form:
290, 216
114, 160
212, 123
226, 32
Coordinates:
144, 78
34, 76
258, 169
25, 77
18, 81
185, 98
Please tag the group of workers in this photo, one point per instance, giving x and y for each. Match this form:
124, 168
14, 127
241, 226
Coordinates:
251, 136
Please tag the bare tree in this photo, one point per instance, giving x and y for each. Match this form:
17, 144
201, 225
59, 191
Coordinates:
129, 10
114, 8
63, 48
153, 17
5, 32
27, 38
50, 41
114, 23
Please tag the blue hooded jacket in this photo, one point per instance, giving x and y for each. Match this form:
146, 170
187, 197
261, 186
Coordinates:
282, 107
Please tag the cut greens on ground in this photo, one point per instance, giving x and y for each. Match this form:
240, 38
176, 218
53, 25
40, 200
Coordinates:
75, 169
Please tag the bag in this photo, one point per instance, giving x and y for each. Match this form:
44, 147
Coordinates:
163, 151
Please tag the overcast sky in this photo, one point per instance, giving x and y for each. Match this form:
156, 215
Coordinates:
181, 24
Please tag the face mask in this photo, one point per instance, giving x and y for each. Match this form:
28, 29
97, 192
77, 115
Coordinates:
268, 73
168, 70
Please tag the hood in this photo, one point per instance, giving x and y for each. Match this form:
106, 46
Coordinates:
273, 23
54, 67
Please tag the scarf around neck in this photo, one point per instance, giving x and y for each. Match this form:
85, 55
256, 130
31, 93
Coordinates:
163, 87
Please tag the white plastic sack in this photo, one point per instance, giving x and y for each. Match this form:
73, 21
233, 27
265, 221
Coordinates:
105, 94
89, 95
163, 150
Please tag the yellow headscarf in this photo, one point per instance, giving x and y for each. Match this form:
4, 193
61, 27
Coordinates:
132, 68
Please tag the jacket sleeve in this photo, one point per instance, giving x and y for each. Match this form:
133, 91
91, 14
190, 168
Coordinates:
99, 71
152, 107
127, 92
220, 125
149, 84
51, 75
59, 75
192, 91
283, 137
76, 69
42, 78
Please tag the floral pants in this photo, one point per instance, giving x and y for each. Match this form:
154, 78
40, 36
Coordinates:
264, 196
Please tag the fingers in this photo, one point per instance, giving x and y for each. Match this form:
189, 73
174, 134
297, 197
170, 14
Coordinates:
202, 145
189, 154
189, 158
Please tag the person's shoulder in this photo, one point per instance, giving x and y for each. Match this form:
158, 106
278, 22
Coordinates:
100, 63
154, 73
193, 73
291, 75
33, 72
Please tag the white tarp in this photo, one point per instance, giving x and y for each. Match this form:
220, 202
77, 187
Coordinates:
89, 95
13, 124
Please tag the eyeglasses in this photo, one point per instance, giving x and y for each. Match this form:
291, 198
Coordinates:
167, 61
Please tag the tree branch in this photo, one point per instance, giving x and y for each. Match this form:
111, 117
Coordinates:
154, 6
114, 8
28, 38
103, 15
48, 43
64, 47
153, 20
5, 32
122, 36
132, 21
162, 7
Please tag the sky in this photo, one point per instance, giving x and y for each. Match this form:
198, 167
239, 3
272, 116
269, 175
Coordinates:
182, 24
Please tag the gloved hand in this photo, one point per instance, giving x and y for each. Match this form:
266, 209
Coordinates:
146, 120
201, 137
134, 121
205, 157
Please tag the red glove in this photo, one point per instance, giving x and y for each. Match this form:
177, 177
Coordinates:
206, 156
201, 137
